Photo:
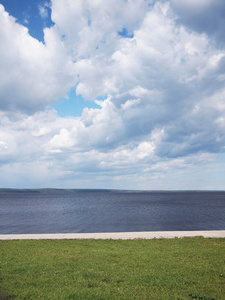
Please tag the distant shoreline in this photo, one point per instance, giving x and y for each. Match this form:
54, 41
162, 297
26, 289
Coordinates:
77, 190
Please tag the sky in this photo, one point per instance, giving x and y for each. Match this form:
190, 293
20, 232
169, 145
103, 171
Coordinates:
116, 94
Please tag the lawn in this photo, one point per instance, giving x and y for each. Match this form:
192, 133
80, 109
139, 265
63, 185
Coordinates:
188, 268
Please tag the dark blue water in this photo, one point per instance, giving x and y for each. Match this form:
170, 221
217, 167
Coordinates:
60, 211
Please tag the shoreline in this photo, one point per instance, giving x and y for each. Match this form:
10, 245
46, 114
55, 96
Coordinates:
117, 235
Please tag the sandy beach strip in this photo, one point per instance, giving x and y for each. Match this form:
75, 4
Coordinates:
116, 235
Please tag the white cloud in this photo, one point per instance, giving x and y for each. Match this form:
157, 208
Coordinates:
62, 140
65, 155
164, 111
43, 12
3, 145
32, 75
42, 131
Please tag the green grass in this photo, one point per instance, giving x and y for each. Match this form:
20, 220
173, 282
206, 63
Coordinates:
189, 268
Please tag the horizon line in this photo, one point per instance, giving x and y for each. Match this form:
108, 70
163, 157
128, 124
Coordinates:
113, 189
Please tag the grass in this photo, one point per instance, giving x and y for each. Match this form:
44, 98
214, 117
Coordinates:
189, 268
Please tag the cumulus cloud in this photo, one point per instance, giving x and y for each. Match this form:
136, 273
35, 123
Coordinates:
160, 69
203, 16
32, 75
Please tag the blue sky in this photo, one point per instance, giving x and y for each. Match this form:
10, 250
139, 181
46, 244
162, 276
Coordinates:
34, 14
112, 94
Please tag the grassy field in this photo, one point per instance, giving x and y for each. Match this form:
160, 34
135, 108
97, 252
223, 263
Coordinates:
189, 268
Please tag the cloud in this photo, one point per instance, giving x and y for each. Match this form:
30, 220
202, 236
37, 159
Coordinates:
158, 79
163, 85
32, 74
43, 10
64, 153
203, 16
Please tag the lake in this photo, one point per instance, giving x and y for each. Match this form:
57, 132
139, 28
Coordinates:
72, 211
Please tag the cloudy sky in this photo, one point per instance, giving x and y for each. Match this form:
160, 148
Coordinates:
121, 94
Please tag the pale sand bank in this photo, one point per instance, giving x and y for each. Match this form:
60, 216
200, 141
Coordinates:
116, 235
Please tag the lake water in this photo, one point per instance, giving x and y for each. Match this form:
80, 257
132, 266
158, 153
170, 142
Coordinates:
62, 211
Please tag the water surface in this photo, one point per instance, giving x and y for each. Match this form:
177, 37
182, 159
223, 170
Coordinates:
71, 211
